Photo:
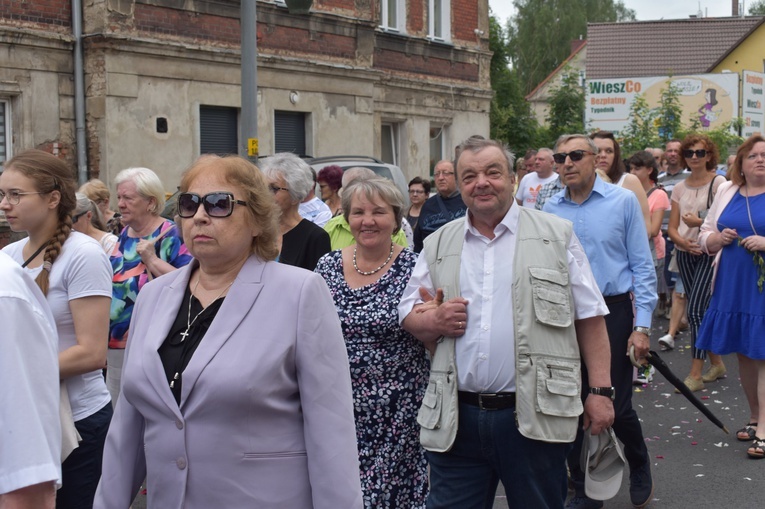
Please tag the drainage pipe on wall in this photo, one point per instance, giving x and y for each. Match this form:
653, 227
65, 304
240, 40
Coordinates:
79, 94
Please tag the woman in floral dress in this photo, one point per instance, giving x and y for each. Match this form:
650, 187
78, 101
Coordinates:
389, 367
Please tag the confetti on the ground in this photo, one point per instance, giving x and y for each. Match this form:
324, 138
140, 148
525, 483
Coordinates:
659, 406
699, 475
748, 478
660, 457
675, 427
698, 465
694, 443
721, 444
704, 397
718, 402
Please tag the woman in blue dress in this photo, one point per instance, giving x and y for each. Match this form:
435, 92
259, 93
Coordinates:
389, 367
734, 230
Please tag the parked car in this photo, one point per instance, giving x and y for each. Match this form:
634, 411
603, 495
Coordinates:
389, 171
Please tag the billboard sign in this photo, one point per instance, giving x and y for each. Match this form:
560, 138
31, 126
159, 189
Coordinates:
711, 99
753, 103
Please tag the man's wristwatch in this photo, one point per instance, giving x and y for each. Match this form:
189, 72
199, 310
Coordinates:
642, 330
608, 392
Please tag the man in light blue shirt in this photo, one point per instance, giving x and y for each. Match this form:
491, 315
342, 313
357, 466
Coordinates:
609, 224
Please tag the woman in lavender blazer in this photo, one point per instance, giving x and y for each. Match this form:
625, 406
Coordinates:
236, 389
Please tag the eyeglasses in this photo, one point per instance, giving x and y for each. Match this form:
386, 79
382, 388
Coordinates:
443, 174
275, 189
416, 191
14, 197
219, 204
699, 153
574, 155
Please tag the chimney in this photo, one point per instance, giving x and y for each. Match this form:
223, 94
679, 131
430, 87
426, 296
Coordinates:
734, 8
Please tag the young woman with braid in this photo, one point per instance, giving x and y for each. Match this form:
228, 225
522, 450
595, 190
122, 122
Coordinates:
37, 194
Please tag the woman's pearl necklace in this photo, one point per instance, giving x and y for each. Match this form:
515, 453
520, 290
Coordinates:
378, 269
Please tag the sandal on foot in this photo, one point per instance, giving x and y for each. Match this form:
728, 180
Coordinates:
747, 433
757, 449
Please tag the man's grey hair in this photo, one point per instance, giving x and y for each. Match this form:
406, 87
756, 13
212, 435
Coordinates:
565, 138
475, 145
546, 150
356, 172
295, 172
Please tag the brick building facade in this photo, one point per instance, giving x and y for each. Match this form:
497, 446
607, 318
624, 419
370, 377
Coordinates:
403, 80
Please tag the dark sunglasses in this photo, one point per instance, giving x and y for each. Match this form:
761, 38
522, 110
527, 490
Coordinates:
219, 204
575, 155
77, 217
699, 153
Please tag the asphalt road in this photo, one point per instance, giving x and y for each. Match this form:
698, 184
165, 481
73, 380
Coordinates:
695, 464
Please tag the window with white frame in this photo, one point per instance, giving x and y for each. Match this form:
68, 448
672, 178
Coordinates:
389, 143
439, 20
5, 131
393, 15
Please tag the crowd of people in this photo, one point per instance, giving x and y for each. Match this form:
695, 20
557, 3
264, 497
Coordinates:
274, 348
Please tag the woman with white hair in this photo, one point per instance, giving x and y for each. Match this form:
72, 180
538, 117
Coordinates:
148, 247
290, 181
87, 219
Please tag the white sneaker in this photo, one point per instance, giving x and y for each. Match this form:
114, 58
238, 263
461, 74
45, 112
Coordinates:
667, 342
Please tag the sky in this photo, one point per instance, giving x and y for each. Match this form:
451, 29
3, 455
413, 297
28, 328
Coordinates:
647, 9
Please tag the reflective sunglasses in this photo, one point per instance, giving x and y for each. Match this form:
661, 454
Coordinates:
575, 155
699, 153
220, 204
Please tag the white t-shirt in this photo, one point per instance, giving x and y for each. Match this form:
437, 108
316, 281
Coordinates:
30, 428
529, 188
315, 211
81, 270
108, 241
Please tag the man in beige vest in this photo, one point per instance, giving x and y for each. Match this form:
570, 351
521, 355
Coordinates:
516, 309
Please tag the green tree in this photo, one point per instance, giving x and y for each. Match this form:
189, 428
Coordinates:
669, 121
541, 32
510, 115
757, 8
641, 132
566, 108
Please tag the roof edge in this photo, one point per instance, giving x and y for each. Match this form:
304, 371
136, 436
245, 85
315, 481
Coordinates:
737, 44
679, 20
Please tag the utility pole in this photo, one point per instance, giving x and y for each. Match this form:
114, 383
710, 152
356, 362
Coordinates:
248, 136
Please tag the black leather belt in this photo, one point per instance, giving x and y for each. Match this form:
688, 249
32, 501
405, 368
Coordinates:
488, 401
613, 299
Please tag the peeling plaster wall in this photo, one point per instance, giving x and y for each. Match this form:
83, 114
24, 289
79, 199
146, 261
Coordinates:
35, 76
